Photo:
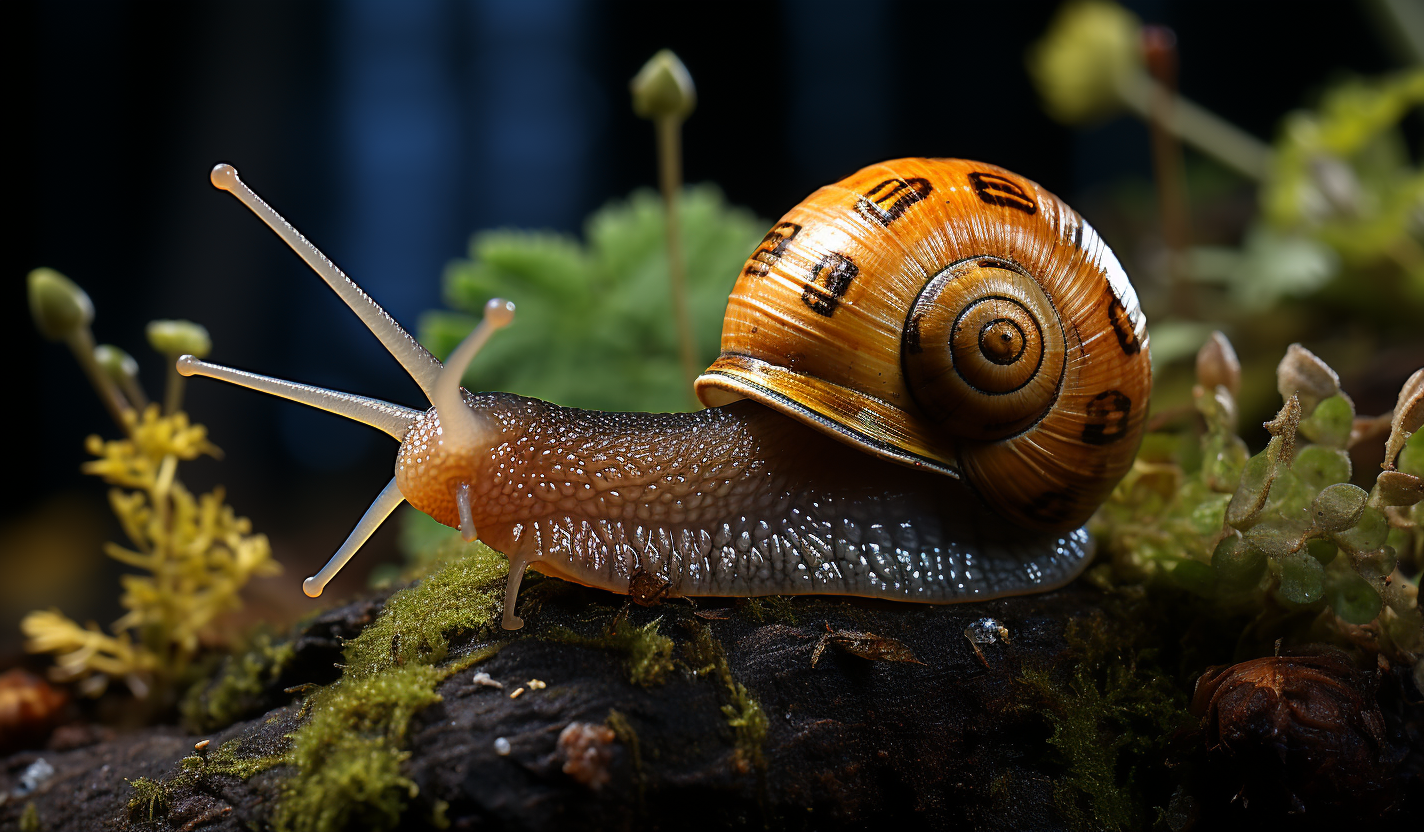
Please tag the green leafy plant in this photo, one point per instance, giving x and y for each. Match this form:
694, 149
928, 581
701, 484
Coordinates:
595, 328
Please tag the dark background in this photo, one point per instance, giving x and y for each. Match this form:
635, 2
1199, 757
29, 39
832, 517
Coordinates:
389, 131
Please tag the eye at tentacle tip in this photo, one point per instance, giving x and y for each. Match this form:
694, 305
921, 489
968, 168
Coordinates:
224, 177
313, 587
499, 312
187, 365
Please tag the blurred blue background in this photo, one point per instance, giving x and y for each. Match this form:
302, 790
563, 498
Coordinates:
389, 131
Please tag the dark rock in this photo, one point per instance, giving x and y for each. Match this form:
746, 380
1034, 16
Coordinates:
742, 732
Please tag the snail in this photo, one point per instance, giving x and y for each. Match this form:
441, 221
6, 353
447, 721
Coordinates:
932, 373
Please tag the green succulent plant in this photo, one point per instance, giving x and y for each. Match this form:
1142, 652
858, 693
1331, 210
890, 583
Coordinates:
1284, 530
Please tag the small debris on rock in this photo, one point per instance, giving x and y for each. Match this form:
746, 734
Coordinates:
517, 693
201, 745
34, 776
715, 614
865, 645
587, 752
985, 631
536, 684
484, 680
501, 746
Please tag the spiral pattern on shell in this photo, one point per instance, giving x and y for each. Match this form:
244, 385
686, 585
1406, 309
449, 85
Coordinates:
951, 315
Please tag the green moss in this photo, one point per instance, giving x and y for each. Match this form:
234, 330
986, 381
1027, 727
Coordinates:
426, 545
149, 800
647, 653
438, 817
238, 686
347, 755
415, 625
744, 715
30, 818
1295, 537
230, 760
1110, 718
774, 608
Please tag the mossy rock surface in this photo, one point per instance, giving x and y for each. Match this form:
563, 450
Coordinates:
738, 729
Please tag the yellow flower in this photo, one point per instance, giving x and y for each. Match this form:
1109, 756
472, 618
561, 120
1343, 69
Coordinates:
197, 552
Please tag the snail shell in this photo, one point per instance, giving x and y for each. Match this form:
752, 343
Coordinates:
949, 315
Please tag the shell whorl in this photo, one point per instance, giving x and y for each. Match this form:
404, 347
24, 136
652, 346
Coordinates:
951, 315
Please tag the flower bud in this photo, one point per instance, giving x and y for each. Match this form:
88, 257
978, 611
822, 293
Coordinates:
1397, 488
1079, 66
175, 338
663, 88
1217, 365
1302, 374
58, 306
116, 364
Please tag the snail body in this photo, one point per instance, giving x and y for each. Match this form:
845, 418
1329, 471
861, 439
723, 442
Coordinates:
932, 372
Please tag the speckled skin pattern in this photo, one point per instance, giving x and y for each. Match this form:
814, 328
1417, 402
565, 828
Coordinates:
733, 500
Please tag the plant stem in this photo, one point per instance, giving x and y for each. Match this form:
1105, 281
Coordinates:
134, 393
173, 390
669, 130
1161, 53
1200, 128
81, 343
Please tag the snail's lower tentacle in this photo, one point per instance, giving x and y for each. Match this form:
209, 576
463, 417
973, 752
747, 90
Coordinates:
467, 514
385, 503
517, 562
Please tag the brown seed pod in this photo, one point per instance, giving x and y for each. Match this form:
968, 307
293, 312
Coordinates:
1298, 733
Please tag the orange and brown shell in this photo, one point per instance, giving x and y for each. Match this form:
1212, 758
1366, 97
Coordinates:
950, 315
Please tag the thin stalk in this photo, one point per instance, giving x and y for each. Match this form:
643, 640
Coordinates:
81, 343
669, 130
1161, 54
133, 392
1201, 129
1402, 23
173, 389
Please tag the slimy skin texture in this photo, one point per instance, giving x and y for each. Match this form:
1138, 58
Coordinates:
733, 500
